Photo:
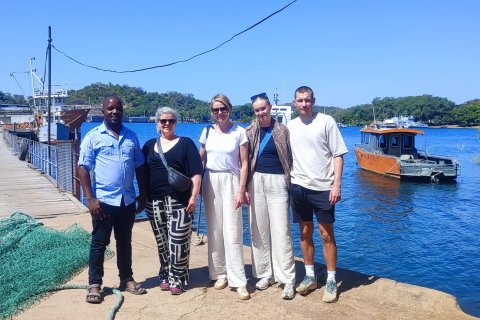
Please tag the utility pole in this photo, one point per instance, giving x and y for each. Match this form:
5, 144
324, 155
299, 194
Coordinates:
49, 99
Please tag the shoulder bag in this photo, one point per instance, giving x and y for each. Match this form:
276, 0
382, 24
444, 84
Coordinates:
176, 179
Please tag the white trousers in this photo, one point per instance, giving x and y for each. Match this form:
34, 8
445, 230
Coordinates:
270, 229
224, 228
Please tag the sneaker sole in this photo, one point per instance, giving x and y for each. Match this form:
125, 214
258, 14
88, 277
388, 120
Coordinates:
288, 297
223, 286
263, 287
330, 301
307, 290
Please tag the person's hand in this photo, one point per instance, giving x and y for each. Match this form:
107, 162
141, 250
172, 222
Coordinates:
141, 200
95, 208
247, 197
335, 195
192, 203
239, 200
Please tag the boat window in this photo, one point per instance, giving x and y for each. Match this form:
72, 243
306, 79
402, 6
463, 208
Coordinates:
382, 141
394, 141
366, 138
407, 141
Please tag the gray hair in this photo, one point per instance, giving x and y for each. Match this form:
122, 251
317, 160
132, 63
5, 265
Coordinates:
165, 110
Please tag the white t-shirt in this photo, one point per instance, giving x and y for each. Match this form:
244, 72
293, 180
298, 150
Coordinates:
223, 150
314, 144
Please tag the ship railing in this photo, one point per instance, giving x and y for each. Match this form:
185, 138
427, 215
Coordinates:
57, 161
429, 167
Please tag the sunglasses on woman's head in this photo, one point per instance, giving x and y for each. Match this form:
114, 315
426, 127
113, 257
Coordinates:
164, 121
262, 95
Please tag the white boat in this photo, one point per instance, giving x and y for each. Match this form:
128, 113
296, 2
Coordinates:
403, 122
281, 113
65, 120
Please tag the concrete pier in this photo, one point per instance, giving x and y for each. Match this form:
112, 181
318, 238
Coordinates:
361, 296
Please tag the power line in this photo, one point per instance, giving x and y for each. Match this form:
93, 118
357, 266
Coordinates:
12, 74
179, 61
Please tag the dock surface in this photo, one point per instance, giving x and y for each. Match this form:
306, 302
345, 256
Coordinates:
360, 296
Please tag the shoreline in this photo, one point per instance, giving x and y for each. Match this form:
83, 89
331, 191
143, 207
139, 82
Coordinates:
453, 126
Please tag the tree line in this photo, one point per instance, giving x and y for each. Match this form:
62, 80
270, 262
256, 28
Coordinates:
138, 102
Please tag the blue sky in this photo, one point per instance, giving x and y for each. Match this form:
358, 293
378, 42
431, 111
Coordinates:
348, 51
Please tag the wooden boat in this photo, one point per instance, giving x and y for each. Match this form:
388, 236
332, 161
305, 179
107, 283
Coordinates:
392, 152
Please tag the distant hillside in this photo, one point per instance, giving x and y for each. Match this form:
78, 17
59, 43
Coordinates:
426, 108
138, 102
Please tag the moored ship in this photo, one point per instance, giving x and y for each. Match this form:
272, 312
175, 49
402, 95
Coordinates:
392, 152
65, 120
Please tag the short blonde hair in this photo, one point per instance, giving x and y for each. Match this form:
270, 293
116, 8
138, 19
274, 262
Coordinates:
223, 99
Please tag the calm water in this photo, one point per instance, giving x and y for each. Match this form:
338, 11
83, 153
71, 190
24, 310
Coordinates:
422, 234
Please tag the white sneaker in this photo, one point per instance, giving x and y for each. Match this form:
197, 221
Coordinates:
243, 293
221, 283
264, 283
308, 284
330, 294
288, 292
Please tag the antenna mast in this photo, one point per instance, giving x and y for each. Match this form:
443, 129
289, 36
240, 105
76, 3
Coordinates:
49, 100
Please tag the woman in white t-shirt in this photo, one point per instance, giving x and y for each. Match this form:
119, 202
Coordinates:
224, 151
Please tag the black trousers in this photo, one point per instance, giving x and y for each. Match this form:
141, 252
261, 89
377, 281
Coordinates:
120, 220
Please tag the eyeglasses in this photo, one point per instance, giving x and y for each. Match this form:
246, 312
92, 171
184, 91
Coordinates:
218, 110
164, 121
262, 95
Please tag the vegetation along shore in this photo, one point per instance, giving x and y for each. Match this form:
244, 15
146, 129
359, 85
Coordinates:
435, 111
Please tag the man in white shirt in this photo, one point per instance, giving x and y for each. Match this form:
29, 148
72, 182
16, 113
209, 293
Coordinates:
317, 149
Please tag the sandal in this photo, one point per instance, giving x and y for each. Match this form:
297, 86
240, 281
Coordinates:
137, 289
94, 297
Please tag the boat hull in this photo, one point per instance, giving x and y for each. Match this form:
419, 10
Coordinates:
428, 169
386, 165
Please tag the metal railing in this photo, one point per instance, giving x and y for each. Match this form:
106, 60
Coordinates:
60, 166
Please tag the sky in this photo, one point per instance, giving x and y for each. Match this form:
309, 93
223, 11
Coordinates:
348, 51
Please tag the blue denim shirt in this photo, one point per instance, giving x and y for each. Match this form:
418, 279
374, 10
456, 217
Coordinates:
113, 163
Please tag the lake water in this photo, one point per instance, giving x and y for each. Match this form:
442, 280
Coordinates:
417, 233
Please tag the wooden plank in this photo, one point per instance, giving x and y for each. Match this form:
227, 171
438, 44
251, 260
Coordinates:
26, 190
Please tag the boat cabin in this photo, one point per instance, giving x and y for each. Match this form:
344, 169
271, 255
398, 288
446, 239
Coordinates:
282, 114
394, 142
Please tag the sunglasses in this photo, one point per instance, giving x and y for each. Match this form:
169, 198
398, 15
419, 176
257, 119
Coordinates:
218, 110
262, 95
164, 121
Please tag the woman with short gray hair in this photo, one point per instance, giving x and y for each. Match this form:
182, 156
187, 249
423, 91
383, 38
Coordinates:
170, 211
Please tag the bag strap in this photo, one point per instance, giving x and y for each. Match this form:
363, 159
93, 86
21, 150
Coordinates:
208, 131
162, 156
264, 142
205, 144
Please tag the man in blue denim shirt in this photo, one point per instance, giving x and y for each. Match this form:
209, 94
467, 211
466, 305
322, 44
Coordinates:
113, 154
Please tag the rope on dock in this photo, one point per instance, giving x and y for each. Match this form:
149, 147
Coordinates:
118, 296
